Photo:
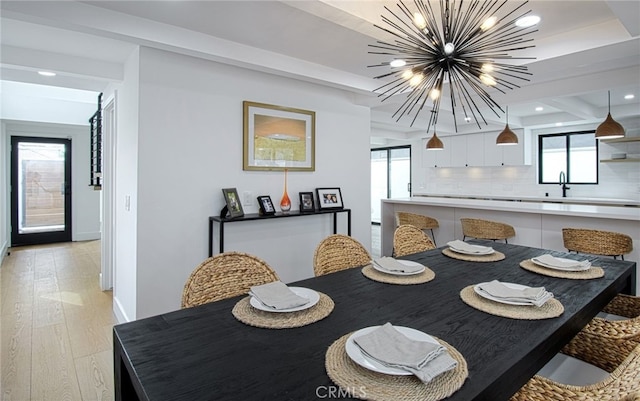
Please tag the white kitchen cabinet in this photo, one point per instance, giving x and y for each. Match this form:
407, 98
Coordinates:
437, 158
503, 155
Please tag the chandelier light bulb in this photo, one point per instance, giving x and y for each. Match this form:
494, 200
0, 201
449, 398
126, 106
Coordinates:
488, 80
486, 67
449, 48
419, 21
434, 94
416, 79
407, 74
489, 23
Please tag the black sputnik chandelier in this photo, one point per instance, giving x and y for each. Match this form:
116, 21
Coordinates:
464, 45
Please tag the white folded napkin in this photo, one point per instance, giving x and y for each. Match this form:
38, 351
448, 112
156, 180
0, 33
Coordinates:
389, 347
392, 265
469, 248
532, 295
277, 295
561, 263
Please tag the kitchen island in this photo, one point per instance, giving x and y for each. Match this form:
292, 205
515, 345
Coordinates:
537, 224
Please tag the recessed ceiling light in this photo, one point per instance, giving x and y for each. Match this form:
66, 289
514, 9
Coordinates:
539, 108
629, 96
47, 73
529, 20
398, 63
558, 124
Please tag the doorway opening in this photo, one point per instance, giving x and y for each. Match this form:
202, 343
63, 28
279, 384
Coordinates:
390, 176
40, 190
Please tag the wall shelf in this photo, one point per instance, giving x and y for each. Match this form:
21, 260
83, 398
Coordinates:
620, 140
620, 160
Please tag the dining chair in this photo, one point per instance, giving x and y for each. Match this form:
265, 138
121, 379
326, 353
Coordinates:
225, 275
486, 229
622, 383
418, 220
597, 242
408, 239
339, 252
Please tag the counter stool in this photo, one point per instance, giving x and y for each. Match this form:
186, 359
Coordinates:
223, 276
417, 220
486, 229
597, 242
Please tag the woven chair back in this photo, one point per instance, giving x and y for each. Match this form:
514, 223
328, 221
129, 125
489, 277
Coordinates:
225, 275
408, 239
486, 229
623, 383
417, 220
339, 252
596, 242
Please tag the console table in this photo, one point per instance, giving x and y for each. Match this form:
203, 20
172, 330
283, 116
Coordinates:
255, 216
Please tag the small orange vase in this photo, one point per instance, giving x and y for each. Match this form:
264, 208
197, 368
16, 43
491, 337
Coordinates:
285, 202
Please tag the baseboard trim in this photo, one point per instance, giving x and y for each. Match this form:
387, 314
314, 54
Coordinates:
86, 236
119, 313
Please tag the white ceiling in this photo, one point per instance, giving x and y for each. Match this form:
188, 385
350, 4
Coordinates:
582, 49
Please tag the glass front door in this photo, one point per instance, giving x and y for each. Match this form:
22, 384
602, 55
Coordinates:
40, 190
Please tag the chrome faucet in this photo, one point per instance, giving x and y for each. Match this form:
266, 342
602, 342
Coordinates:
563, 182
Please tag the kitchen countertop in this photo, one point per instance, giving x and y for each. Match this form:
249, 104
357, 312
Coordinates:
567, 200
564, 209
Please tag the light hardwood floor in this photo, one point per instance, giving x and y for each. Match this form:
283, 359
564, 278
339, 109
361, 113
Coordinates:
55, 331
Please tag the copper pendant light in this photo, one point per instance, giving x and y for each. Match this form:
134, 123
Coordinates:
610, 128
435, 143
507, 137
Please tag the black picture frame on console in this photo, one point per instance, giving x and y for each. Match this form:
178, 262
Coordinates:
307, 205
329, 198
233, 205
266, 205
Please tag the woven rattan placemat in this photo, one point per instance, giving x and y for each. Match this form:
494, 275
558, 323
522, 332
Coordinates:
247, 314
494, 257
375, 275
592, 272
552, 308
369, 385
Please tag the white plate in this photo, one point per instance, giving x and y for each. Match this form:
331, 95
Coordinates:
487, 252
353, 351
308, 293
404, 262
566, 269
502, 301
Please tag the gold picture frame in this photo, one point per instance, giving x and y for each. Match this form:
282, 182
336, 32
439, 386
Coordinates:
277, 137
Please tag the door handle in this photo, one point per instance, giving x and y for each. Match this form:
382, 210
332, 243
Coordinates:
409, 187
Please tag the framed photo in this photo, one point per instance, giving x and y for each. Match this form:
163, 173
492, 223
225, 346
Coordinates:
266, 206
234, 207
329, 198
277, 137
306, 202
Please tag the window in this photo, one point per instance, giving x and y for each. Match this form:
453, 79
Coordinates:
575, 154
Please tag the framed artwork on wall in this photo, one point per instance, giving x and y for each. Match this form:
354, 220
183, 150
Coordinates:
276, 137
234, 207
266, 206
329, 198
306, 202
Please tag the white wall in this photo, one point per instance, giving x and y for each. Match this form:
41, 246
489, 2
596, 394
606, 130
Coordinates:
616, 180
85, 201
125, 277
189, 146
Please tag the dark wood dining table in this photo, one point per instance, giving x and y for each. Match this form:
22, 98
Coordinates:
205, 353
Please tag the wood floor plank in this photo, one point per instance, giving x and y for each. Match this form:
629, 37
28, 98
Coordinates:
15, 352
95, 375
53, 374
